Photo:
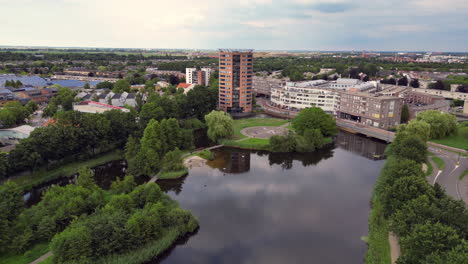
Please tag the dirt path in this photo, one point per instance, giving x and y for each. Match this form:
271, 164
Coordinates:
394, 247
42, 258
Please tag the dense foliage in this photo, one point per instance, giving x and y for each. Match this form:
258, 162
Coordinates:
431, 225
442, 124
13, 113
72, 134
315, 118
220, 125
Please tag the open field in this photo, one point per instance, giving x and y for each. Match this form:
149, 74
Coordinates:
455, 141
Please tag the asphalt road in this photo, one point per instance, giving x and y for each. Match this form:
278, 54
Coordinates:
448, 177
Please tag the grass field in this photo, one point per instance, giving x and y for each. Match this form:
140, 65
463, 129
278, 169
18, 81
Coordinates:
42, 175
454, 141
29, 256
170, 175
429, 168
439, 162
379, 247
251, 143
205, 154
240, 124
463, 174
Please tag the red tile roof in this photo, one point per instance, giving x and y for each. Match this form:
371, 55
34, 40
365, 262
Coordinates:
184, 85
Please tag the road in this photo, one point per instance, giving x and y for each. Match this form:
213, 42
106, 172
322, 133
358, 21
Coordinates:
448, 178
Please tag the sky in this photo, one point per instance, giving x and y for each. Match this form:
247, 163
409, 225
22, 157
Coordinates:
390, 25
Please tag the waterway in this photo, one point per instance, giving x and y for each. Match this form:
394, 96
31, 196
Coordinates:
261, 207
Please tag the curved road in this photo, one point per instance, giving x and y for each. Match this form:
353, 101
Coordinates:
448, 177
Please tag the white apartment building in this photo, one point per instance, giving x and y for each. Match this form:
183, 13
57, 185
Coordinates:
189, 74
300, 95
346, 84
201, 77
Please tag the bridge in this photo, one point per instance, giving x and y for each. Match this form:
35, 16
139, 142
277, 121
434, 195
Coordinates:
369, 131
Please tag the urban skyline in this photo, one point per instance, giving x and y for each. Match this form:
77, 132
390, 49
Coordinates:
422, 25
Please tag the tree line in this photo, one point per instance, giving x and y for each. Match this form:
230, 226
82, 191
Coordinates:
430, 224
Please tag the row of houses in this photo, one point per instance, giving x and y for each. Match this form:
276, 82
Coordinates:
24, 95
111, 98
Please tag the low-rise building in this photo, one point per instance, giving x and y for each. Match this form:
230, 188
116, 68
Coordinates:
95, 107
264, 85
371, 109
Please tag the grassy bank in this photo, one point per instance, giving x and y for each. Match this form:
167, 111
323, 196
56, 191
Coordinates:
205, 154
379, 247
145, 253
42, 175
463, 174
29, 256
439, 162
240, 124
170, 175
429, 168
454, 141
251, 143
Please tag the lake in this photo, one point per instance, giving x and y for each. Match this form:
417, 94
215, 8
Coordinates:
260, 207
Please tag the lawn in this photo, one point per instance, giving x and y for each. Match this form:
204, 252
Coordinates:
429, 168
29, 256
170, 175
463, 174
455, 141
251, 143
439, 162
42, 175
240, 124
205, 154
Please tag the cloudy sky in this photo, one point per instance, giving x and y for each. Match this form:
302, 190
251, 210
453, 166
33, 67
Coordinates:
428, 25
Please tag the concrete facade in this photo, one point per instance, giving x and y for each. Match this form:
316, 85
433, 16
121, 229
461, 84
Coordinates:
370, 109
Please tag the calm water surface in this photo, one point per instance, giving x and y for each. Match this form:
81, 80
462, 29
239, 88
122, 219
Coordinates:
259, 207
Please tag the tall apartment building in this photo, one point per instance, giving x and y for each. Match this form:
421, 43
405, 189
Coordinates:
201, 77
371, 109
235, 81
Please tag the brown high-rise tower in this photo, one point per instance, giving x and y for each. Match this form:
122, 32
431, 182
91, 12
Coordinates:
235, 81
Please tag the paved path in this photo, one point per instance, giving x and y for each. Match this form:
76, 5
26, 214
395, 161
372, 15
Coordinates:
42, 258
394, 247
263, 132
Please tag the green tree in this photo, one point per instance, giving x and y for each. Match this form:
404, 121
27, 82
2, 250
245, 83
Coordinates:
50, 110
151, 146
428, 238
123, 186
86, 85
11, 205
442, 124
314, 118
121, 86
408, 146
405, 115
403, 190
416, 127
86, 178
173, 161
31, 107
220, 125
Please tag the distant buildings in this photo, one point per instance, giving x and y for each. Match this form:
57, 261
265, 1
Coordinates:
235, 81
200, 77
95, 107
264, 85
186, 86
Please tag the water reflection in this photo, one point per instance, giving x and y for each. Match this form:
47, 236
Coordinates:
104, 175
277, 208
367, 147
